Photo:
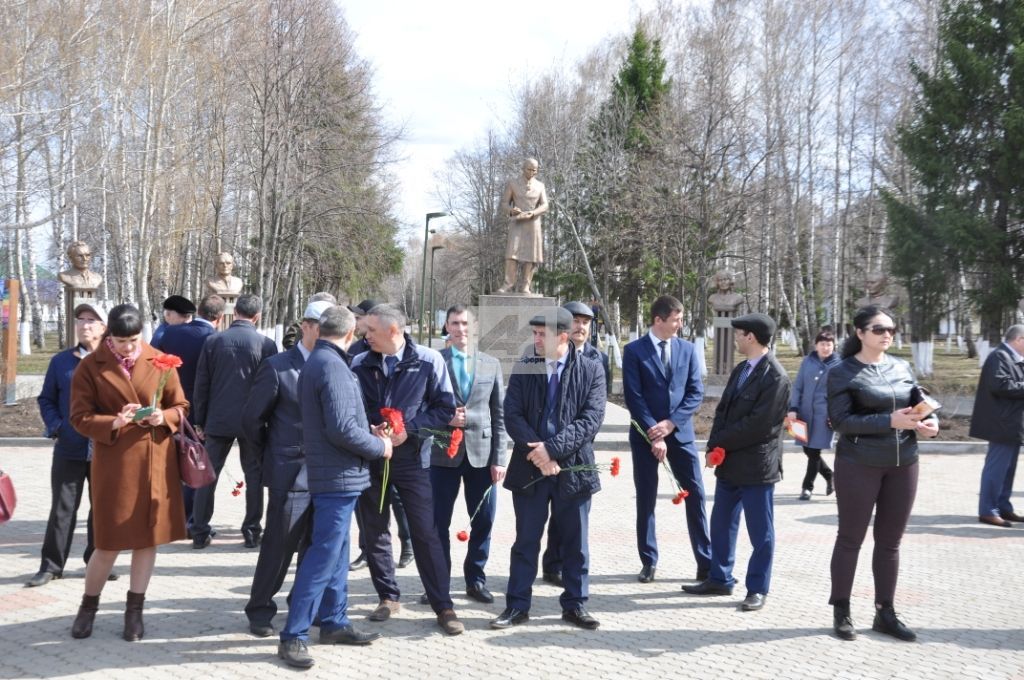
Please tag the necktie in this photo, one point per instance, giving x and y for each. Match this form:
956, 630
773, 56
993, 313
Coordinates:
551, 403
745, 374
553, 385
664, 356
462, 375
390, 362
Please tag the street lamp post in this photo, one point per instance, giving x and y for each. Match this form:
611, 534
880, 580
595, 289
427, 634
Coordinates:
423, 279
434, 247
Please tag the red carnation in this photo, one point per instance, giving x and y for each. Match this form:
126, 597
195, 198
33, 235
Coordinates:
680, 497
165, 362
393, 419
236, 492
239, 485
462, 536
616, 462
716, 457
454, 441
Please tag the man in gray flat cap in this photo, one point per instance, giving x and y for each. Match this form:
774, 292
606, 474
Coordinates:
748, 427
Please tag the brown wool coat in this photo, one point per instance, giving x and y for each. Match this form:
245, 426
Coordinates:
136, 487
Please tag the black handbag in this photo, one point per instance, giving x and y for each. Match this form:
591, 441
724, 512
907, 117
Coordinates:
193, 461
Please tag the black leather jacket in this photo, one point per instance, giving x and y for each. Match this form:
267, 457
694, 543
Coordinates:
861, 399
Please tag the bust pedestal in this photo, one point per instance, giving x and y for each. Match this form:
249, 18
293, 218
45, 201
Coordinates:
724, 348
72, 298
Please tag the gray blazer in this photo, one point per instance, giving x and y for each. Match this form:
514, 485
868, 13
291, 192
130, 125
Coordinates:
484, 439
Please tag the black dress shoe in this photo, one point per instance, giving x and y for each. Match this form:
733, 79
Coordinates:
708, 587
200, 542
753, 602
252, 540
406, 558
261, 629
479, 592
510, 617
41, 579
994, 521
295, 653
580, 618
112, 576
424, 599
553, 578
1011, 517
886, 621
842, 622
346, 635
360, 563
646, 574
829, 487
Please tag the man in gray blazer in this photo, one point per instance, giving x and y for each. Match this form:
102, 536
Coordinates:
482, 456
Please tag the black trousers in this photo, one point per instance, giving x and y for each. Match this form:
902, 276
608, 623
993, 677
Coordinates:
815, 465
289, 530
202, 508
413, 483
401, 521
67, 485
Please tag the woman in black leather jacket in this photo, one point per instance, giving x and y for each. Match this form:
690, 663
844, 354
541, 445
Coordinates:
870, 397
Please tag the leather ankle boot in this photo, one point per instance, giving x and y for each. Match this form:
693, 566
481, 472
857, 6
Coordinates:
842, 623
133, 629
82, 627
886, 621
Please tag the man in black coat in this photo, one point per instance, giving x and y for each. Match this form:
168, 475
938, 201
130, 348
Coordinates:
998, 418
186, 341
224, 375
554, 408
272, 421
748, 427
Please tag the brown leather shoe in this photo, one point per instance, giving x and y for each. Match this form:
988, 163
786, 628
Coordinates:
384, 610
450, 623
994, 521
133, 628
1011, 517
82, 627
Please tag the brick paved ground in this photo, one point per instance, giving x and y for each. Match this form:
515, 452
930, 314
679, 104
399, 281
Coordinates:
961, 588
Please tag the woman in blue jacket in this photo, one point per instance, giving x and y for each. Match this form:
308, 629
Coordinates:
809, 404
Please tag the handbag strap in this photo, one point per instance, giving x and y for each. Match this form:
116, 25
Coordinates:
183, 424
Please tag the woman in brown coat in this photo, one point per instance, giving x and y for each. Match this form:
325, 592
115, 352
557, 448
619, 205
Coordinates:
136, 488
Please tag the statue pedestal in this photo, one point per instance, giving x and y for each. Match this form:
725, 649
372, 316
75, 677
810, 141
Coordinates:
72, 298
504, 326
229, 310
724, 347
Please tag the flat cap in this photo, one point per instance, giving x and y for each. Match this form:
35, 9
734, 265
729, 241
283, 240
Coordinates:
180, 304
363, 308
314, 310
579, 309
761, 325
559, 317
89, 307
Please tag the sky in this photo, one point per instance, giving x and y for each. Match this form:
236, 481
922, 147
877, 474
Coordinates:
445, 71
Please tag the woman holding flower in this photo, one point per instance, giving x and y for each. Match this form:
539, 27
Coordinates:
137, 502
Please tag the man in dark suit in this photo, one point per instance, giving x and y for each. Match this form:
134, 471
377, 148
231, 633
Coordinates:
226, 368
272, 421
553, 410
998, 418
582, 323
662, 386
748, 427
481, 459
178, 310
338, 444
186, 342
397, 373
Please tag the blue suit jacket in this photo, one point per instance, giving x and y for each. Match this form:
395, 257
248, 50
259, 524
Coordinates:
185, 341
272, 421
652, 396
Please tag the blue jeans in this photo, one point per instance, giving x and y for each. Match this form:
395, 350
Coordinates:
321, 584
997, 478
756, 503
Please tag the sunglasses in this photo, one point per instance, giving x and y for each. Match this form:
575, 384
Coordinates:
882, 330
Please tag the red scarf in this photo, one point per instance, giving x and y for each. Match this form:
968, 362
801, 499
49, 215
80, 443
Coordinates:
126, 363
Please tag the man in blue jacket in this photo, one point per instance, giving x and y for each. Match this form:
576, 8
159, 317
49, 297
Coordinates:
662, 386
185, 341
224, 376
396, 373
554, 408
272, 421
69, 470
338, 444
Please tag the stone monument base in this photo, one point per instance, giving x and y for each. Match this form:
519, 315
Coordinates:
503, 323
